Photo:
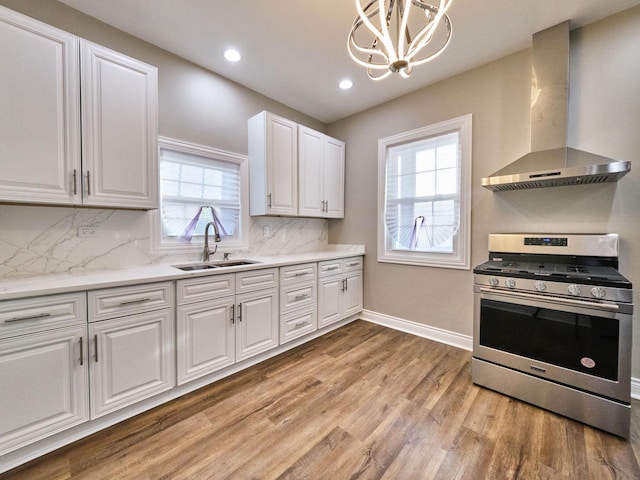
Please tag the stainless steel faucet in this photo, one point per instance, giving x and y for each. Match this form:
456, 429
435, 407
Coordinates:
207, 253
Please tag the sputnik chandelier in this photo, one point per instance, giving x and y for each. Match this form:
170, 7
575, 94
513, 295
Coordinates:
387, 45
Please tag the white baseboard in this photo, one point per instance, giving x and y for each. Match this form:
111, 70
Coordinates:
432, 333
444, 336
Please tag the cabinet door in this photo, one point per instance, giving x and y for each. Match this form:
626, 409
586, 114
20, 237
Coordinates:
352, 293
206, 338
257, 323
44, 385
282, 166
40, 121
131, 359
119, 128
330, 293
334, 178
311, 174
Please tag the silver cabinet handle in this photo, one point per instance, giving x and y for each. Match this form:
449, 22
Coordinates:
30, 317
297, 298
240, 312
353, 264
326, 205
81, 352
269, 200
95, 344
75, 181
301, 324
138, 300
233, 314
88, 183
333, 267
346, 285
300, 274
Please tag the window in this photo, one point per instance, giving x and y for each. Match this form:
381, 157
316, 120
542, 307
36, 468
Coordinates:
199, 185
424, 195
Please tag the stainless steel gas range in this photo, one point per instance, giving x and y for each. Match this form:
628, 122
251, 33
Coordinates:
552, 325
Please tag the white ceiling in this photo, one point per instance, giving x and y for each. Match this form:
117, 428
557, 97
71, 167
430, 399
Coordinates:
294, 51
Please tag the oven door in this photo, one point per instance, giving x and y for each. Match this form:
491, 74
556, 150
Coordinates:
579, 343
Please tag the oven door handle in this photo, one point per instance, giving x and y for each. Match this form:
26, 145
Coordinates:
610, 307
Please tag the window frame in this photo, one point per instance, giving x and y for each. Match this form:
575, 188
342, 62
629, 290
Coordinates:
461, 256
160, 243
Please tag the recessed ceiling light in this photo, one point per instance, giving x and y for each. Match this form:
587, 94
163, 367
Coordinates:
232, 55
345, 84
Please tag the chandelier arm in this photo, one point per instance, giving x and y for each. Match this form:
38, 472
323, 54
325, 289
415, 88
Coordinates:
426, 34
404, 38
437, 52
365, 21
384, 28
367, 51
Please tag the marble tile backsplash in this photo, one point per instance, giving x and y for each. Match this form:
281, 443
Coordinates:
38, 240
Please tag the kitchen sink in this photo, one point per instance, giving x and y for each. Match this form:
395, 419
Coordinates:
206, 266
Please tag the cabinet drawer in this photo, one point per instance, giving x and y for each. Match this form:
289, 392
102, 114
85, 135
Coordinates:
256, 280
298, 273
118, 302
298, 296
205, 288
28, 315
329, 267
297, 324
352, 263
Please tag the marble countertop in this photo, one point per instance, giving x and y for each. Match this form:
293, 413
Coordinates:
12, 288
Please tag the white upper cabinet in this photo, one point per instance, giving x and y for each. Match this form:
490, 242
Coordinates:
119, 127
273, 165
40, 121
46, 75
321, 174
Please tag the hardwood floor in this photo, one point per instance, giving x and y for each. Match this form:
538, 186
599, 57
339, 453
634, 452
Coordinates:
362, 402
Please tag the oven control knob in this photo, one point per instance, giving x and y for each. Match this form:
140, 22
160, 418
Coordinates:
493, 282
574, 289
540, 286
510, 282
598, 292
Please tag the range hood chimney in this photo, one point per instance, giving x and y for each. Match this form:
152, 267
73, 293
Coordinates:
551, 162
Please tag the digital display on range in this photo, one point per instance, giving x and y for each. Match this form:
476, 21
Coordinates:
546, 241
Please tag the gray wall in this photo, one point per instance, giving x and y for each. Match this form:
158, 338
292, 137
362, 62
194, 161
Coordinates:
604, 119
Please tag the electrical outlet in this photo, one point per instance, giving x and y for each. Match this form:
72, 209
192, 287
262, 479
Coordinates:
266, 231
87, 232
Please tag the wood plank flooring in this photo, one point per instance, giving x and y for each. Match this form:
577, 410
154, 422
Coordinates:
362, 402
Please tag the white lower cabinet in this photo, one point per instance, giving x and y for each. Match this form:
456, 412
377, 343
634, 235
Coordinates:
298, 301
257, 323
131, 359
131, 353
217, 328
206, 337
339, 290
43, 368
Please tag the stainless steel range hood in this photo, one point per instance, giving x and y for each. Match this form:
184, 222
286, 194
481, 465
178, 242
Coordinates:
551, 162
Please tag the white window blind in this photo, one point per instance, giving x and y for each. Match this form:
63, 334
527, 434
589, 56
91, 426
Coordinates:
423, 193
188, 183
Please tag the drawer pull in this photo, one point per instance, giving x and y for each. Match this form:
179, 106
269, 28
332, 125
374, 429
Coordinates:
30, 317
297, 298
353, 264
95, 343
139, 300
240, 312
81, 352
333, 267
301, 324
233, 313
300, 274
